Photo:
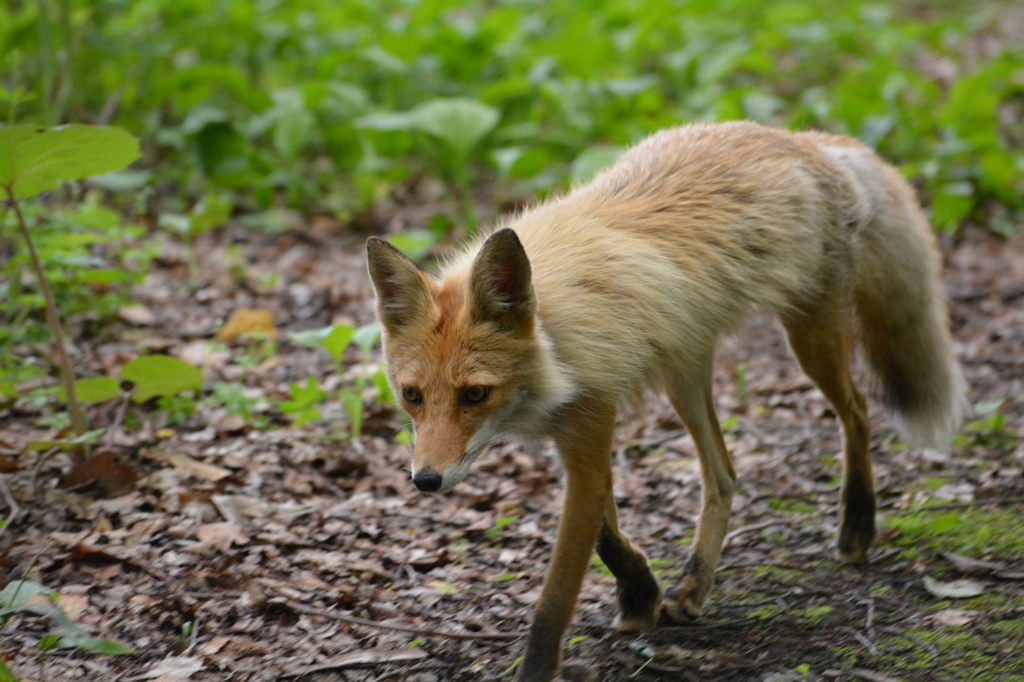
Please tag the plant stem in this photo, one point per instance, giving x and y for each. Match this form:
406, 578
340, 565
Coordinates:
77, 416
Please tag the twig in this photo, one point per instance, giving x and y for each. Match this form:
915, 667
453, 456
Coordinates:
116, 424
11, 502
866, 642
729, 623
758, 564
746, 529
429, 632
39, 467
873, 676
77, 416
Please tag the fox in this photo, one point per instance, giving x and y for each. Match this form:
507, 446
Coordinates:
558, 317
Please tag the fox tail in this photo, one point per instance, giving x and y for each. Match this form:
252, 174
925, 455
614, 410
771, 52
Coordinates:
900, 307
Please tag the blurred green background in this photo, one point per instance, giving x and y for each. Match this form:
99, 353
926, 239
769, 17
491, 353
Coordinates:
327, 106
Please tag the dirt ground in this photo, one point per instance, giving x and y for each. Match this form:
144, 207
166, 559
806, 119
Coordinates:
294, 554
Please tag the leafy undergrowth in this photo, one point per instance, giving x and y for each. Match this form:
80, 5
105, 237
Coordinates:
216, 562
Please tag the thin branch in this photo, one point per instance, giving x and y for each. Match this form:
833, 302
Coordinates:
732, 535
116, 424
428, 632
11, 502
77, 416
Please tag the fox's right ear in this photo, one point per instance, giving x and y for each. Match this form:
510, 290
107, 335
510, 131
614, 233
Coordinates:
401, 286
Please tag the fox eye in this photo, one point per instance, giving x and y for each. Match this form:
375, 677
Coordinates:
475, 395
412, 396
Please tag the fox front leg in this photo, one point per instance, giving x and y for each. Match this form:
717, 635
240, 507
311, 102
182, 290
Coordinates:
585, 448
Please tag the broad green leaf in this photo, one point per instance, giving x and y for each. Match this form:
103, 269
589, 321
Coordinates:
988, 406
72, 636
312, 338
353, 405
5, 673
415, 244
459, 122
103, 646
337, 341
384, 394
211, 211
945, 522
49, 610
593, 160
35, 159
303, 396
385, 121
17, 592
48, 642
96, 390
366, 336
156, 375
68, 443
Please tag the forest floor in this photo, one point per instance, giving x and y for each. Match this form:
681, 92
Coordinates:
295, 554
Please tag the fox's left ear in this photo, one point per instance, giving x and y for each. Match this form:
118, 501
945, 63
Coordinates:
501, 283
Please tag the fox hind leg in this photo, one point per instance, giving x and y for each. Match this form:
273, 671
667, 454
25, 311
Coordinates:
821, 341
690, 395
637, 589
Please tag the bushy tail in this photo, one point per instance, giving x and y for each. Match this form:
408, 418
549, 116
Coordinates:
901, 311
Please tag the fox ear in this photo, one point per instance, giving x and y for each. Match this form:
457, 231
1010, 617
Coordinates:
501, 283
400, 284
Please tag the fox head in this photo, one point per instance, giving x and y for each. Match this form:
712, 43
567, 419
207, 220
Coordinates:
466, 356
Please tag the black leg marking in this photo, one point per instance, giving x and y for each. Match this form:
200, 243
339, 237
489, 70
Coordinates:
636, 588
857, 525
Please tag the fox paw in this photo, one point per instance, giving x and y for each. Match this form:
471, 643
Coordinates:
855, 540
638, 602
679, 612
635, 622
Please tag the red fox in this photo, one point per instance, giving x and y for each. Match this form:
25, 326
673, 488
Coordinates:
569, 310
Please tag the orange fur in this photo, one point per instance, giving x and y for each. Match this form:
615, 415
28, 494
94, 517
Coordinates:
571, 308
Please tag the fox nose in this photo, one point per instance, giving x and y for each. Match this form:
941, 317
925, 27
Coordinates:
427, 480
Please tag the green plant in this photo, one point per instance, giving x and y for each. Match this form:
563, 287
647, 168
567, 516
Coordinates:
990, 430
33, 160
15, 597
495, 533
304, 401
335, 340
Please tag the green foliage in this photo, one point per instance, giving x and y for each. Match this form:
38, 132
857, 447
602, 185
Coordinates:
335, 339
35, 159
333, 103
972, 532
90, 260
304, 401
235, 399
14, 598
495, 533
990, 430
160, 375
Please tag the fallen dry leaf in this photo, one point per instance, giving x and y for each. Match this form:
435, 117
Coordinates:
182, 462
957, 589
137, 314
952, 617
221, 535
74, 604
112, 478
182, 667
248, 321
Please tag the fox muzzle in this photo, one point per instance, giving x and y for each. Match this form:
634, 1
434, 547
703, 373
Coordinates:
427, 480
